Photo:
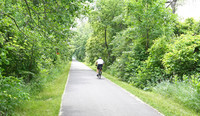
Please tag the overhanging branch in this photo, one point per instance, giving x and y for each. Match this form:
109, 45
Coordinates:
14, 22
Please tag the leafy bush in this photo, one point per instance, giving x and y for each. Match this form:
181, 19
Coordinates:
46, 75
195, 82
12, 94
152, 71
197, 28
183, 56
126, 65
189, 26
120, 67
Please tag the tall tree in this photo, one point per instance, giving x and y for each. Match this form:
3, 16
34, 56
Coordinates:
149, 19
102, 19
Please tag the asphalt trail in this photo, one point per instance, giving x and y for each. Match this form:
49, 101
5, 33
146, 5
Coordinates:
86, 95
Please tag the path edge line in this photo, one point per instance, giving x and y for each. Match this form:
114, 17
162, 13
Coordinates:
137, 98
60, 112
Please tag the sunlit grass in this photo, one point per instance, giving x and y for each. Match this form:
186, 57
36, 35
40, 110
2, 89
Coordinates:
182, 92
163, 104
47, 102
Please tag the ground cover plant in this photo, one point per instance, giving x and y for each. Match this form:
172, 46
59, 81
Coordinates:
47, 101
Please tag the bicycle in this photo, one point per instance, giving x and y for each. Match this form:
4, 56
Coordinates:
99, 74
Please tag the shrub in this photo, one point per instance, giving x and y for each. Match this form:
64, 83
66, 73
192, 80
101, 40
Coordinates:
184, 56
190, 26
12, 94
195, 82
126, 65
152, 71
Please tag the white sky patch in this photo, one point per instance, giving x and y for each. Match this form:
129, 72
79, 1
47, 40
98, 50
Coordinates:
190, 8
79, 22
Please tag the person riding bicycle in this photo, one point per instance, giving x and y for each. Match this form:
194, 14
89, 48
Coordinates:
99, 64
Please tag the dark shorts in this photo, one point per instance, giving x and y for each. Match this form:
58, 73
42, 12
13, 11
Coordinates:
99, 66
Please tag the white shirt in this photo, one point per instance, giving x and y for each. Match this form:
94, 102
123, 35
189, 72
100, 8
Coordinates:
100, 61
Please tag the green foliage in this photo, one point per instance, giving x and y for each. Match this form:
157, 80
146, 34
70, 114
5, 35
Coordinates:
152, 70
94, 49
195, 82
106, 21
82, 33
34, 35
47, 102
189, 26
182, 92
46, 76
127, 64
122, 42
12, 94
197, 28
118, 68
150, 19
34, 40
183, 56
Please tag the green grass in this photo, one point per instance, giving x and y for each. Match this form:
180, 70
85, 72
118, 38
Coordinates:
47, 102
182, 92
165, 105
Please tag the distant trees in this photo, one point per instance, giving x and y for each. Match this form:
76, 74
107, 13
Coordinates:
81, 35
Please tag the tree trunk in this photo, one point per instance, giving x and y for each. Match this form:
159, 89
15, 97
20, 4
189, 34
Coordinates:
147, 40
147, 34
107, 43
105, 38
173, 5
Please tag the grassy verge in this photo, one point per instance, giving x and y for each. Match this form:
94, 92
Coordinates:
47, 102
163, 104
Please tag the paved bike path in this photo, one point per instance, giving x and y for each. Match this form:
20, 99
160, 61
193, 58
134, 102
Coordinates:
86, 95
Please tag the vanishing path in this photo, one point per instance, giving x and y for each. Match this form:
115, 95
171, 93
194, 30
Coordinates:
86, 95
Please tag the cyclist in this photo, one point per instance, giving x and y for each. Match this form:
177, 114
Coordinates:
99, 64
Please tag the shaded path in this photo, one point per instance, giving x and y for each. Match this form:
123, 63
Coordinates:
86, 95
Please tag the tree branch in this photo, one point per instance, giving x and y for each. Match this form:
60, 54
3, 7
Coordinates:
28, 8
170, 2
15, 23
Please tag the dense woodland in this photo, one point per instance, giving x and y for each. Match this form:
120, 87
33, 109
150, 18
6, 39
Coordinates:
141, 41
